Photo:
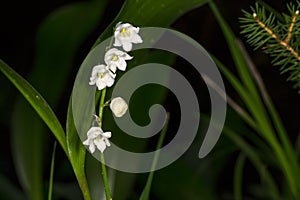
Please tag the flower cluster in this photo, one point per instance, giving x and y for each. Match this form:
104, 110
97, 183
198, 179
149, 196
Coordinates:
103, 75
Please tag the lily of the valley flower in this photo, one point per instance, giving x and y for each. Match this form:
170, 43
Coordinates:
125, 35
97, 138
102, 77
118, 106
115, 58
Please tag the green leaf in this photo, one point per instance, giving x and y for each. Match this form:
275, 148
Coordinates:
29, 171
27, 160
36, 101
151, 13
235, 52
58, 40
77, 154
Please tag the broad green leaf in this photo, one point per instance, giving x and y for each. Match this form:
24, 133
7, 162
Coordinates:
28, 162
151, 13
30, 184
36, 101
77, 153
58, 40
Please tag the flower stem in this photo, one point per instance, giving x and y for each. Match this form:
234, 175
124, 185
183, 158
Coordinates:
105, 178
104, 173
101, 106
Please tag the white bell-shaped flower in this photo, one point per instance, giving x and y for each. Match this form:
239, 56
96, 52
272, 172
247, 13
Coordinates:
118, 106
115, 58
125, 35
97, 138
102, 77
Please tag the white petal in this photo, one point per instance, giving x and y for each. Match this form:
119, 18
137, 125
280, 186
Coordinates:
110, 53
97, 69
100, 145
113, 68
92, 148
115, 51
127, 46
117, 42
93, 130
93, 133
127, 57
110, 82
100, 84
86, 142
92, 82
106, 134
118, 24
125, 25
108, 59
122, 65
107, 142
112, 75
137, 39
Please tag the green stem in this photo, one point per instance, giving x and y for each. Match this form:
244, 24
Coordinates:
104, 173
101, 106
105, 178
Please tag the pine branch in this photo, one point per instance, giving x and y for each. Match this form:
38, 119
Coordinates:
278, 39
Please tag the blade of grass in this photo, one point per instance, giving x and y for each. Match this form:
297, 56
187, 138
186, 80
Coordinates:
257, 109
271, 108
238, 177
239, 88
146, 192
266, 177
50, 189
236, 54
